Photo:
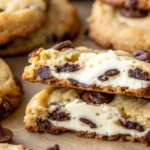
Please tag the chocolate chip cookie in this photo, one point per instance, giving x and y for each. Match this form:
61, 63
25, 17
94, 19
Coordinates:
19, 19
136, 4
10, 90
119, 27
12, 147
116, 72
89, 114
62, 24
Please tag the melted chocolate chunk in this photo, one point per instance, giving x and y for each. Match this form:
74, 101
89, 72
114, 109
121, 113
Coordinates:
44, 124
88, 122
132, 3
77, 83
147, 137
55, 147
109, 73
5, 108
131, 125
138, 74
96, 97
142, 55
59, 115
1, 10
62, 45
5, 135
44, 73
133, 13
68, 68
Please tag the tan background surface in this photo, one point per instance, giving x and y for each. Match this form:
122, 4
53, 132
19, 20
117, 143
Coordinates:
67, 141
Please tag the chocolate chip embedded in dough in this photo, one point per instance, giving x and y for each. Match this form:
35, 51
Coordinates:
68, 68
131, 125
44, 73
1, 10
133, 13
62, 45
88, 122
138, 74
5, 108
109, 73
142, 55
5, 135
96, 97
55, 147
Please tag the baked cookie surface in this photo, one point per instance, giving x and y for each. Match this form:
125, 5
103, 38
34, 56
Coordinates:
12, 147
136, 4
110, 29
116, 72
18, 19
62, 24
89, 114
10, 90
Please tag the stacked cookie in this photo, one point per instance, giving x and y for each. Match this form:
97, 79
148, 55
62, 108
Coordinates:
100, 94
31, 24
121, 24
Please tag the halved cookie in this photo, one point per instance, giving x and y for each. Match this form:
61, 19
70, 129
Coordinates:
117, 28
89, 114
10, 90
116, 72
62, 24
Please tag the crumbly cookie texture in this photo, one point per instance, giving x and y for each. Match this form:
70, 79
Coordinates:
116, 72
123, 33
10, 90
19, 19
62, 24
89, 114
138, 4
12, 147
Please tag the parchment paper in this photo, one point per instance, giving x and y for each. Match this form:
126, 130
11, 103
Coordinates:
67, 141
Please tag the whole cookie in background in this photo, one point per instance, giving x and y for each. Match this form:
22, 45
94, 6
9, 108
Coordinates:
136, 4
119, 28
10, 90
20, 18
62, 24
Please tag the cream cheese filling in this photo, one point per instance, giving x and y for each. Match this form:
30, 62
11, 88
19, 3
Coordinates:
94, 65
104, 116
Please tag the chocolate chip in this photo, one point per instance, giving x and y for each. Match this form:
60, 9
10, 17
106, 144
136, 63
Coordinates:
44, 124
62, 45
44, 73
5, 135
109, 73
132, 3
5, 108
96, 97
1, 10
131, 125
147, 137
77, 83
59, 115
138, 74
133, 13
68, 68
142, 55
88, 122
55, 147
